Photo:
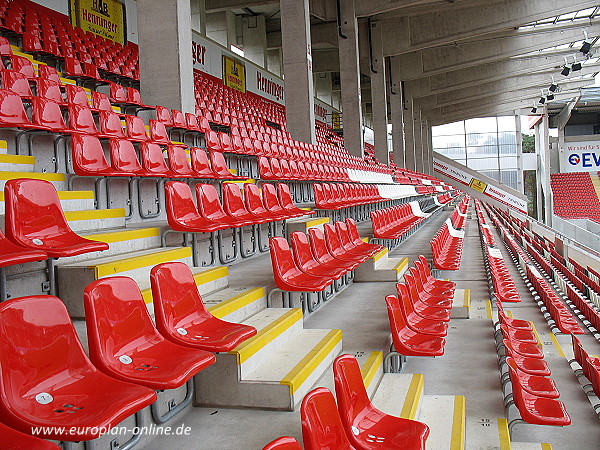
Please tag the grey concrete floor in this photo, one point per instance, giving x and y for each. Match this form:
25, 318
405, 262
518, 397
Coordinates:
469, 366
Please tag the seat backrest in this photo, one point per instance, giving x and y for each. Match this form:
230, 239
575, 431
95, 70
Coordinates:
233, 202
39, 349
136, 129
49, 89
48, 73
47, 113
253, 200
76, 95
117, 93
178, 161
158, 132
209, 204
301, 250
270, 199
200, 163
153, 159
283, 443
285, 197
350, 392
16, 82
123, 156
282, 260
179, 120
33, 211
321, 422
23, 65
332, 239
88, 155
101, 101
164, 115
81, 119
110, 124
219, 165
175, 296
318, 245
342, 231
180, 204
118, 323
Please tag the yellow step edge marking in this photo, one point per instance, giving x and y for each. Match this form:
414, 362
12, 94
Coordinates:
365, 239
546, 446
380, 254
66, 195
123, 265
510, 314
537, 336
232, 304
200, 278
370, 368
557, 345
413, 397
249, 347
127, 235
17, 159
503, 434
315, 222
309, 363
90, 214
488, 308
4, 144
467, 298
248, 181
32, 176
457, 441
401, 266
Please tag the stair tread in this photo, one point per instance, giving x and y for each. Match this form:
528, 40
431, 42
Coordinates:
121, 257
436, 411
399, 394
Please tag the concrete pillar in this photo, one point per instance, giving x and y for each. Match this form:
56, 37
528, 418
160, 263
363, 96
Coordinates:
297, 68
220, 27
198, 8
254, 36
165, 43
350, 80
538, 184
409, 138
275, 61
322, 83
418, 140
520, 181
397, 113
544, 179
426, 144
379, 94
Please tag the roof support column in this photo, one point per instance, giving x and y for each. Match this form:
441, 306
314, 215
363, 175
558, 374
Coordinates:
198, 8
297, 68
379, 93
350, 79
427, 149
254, 35
165, 42
418, 140
397, 113
409, 134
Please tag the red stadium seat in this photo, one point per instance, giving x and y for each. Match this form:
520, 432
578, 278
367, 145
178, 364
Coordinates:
181, 316
283, 443
33, 331
15, 440
363, 422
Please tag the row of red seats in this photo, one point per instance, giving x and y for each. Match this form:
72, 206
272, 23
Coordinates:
212, 214
575, 196
504, 286
128, 361
335, 196
54, 37
590, 365
312, 267
282, 169
394, 222
353, 422
446, 247
89, 160
534, 395
419, 314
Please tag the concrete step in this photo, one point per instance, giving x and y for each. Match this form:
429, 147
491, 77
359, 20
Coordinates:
380, 267
3, 147
303, 224
272, 370
236, 304
69, 200
57, 179
436, 411
400, 395
16, 163
461, 304
529, 446
75, 276
120, 241
96, 219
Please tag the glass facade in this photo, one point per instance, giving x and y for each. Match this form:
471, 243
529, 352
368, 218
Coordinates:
486, 144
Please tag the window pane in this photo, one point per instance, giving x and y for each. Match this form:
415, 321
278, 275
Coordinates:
507, 138
482, 139
508, 162
507, 123
449, 129
481, 125
483, 163
448, 141
493, 174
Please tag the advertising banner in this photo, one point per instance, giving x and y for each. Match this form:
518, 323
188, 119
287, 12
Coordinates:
234, 74
581, 156
105, 18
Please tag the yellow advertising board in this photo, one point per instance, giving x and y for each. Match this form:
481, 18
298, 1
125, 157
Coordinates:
478, 185
234, 74
105, 18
